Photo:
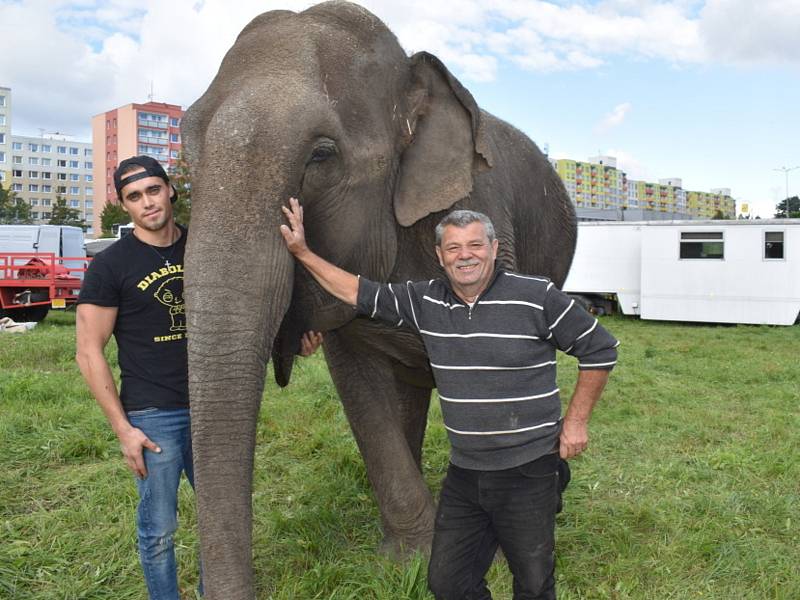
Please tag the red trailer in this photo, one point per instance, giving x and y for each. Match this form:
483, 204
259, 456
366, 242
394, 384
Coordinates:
31, 283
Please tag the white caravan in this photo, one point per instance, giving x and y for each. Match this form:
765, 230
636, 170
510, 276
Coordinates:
706, 271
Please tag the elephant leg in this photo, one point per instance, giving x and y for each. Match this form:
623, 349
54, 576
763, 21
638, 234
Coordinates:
372, 398
412, 407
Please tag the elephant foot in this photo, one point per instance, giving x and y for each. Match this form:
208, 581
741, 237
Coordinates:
399, 548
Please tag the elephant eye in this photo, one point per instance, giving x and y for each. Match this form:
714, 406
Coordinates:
322, 151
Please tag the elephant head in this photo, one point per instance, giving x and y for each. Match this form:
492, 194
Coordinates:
326, 106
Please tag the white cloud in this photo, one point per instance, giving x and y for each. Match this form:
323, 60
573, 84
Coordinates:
90, 55
614, 118
633, 167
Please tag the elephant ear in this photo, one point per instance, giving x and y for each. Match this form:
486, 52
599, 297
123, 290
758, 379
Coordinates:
446, 142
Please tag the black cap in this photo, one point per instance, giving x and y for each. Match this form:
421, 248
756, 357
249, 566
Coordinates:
152, 168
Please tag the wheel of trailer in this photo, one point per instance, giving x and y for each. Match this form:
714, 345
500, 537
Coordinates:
31, 313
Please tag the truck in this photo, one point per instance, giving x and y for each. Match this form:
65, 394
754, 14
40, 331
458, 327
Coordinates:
41, 267
709, 271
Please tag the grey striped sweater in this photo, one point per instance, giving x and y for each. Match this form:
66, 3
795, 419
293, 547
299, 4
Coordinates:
494, 363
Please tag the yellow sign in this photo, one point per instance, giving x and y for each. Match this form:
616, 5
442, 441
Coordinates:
745, 208
58, 303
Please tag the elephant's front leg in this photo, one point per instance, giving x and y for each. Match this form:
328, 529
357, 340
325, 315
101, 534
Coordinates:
384, 415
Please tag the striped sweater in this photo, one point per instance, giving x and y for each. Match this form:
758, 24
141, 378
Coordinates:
494, 363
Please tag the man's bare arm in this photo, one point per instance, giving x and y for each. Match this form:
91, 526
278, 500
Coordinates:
334, 280
575, 428
93, 328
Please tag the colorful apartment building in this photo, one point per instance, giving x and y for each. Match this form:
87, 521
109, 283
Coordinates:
598, 184
152, 128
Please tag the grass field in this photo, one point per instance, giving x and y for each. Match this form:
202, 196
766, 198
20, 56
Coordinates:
690, 488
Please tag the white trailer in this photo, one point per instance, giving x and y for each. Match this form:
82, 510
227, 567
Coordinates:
704, 271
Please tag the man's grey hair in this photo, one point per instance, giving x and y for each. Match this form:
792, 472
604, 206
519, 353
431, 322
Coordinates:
462, 218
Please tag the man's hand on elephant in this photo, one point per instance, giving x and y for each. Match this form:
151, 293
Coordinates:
294, 234
309, 343
574, 438
133, 443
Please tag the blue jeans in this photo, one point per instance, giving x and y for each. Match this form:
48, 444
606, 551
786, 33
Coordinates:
157, 512
479, 510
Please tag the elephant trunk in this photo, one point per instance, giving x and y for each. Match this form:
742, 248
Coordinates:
235, 298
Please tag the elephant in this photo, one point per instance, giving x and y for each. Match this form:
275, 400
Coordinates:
326, 106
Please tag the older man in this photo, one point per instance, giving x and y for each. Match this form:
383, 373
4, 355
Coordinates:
491, 337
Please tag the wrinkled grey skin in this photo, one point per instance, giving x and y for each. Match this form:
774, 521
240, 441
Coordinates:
325, 105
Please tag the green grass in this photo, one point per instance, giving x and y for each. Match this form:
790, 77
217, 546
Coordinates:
689, 490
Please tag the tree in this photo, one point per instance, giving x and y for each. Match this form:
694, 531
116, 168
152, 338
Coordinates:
179, 177
788, 207
112, 215
719, 215
63, 215
13, 210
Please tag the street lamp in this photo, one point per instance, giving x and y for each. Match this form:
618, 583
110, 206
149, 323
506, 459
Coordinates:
786, 171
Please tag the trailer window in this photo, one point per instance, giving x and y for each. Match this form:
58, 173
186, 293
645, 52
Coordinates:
773, 244
702, 245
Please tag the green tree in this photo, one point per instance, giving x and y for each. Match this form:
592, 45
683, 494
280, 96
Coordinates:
13, 210
179, 177
788, 208
64, 215
112, 215
719, 215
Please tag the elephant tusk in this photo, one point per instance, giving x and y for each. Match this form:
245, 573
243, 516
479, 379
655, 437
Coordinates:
409, 127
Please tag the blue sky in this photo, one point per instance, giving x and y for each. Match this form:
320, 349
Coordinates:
704, 90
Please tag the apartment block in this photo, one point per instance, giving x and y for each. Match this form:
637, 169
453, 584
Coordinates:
152, 129
596, 183
47, 167
5, 136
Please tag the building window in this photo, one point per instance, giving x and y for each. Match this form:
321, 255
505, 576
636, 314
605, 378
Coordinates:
173, 154
45, 201
46, 175
3, 138
88, 191
45, 215
17, 160
175, 137
46, 162
773, 245
47, 148
34, 215
702, 245
2, 119
74, 190
47, 188
2, 100
34, 202
61, 176
33, 174
88, 177
33, 187
33, 147
74, 203
73, 164
61, 149
16, 173
2, 157
87, 165
88, 204
175, 122
87, 151
16, 145
74, 151
16, 187
61, 189
61, 163
74, 177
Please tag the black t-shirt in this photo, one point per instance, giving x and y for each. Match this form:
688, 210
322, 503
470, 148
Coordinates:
151, 321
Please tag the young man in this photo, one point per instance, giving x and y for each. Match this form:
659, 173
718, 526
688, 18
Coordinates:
491, 337
134, 289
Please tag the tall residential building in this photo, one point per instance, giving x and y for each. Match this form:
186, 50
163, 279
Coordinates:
152, 128
5, 136
593, 184
597, 185
45, 168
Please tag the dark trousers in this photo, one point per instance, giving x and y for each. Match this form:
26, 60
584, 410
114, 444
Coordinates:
479, 510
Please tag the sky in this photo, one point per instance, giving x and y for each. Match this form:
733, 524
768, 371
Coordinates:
704, 90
